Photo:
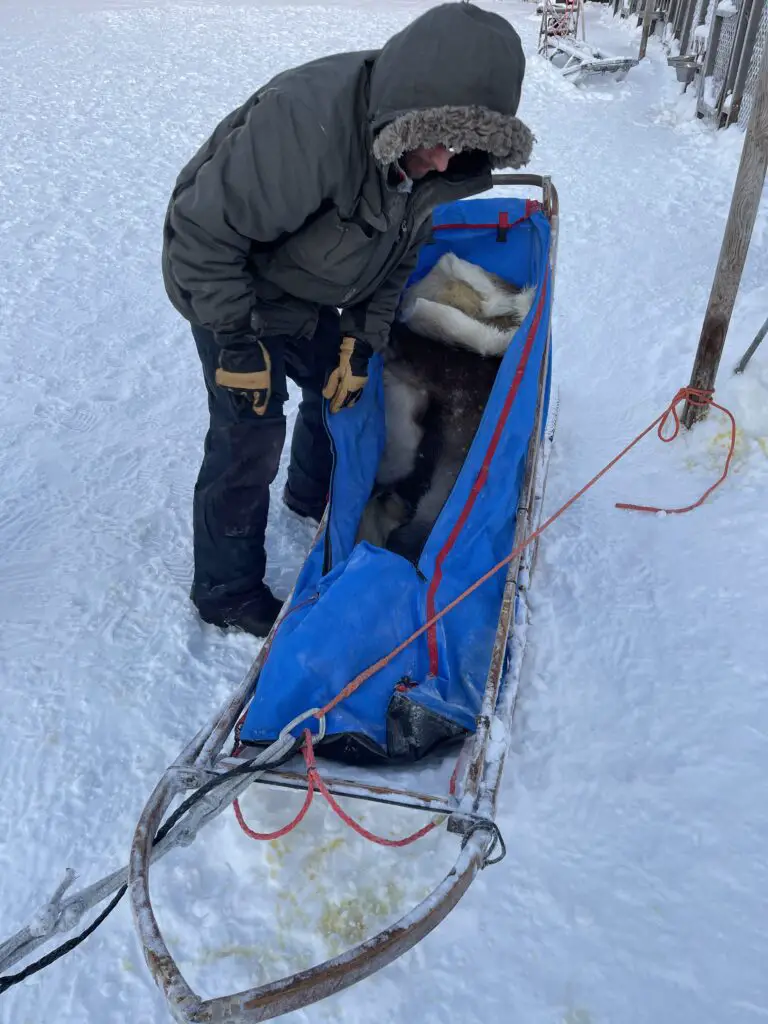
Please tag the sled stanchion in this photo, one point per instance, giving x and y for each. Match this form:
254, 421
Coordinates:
542, 181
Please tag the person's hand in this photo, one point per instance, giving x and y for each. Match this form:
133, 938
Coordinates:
345, 384
245, 367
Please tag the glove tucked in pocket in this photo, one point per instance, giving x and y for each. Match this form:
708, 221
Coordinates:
246, 368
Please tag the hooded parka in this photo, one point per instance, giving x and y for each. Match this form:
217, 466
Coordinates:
297, 200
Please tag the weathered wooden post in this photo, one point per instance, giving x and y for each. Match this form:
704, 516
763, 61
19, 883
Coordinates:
733, 252
647, 16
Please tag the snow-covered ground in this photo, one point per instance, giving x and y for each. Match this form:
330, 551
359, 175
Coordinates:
634, 807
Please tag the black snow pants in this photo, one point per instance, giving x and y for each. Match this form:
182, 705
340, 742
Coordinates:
242, 456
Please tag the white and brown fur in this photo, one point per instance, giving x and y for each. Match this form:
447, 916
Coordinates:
445, 349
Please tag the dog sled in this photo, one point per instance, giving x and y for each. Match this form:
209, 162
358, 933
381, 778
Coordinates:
576, 59
423, 690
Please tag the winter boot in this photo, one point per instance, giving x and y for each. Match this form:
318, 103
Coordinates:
306, 509
256, 614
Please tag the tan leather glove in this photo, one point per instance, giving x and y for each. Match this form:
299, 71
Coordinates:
247, 370
345, 384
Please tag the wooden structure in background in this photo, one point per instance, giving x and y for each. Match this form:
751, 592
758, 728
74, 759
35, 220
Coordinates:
733, 253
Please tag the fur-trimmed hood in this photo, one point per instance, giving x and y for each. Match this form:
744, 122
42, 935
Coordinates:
452, 77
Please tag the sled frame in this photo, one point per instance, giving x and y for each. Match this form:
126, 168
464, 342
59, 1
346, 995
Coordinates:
560, 19
583, 61
558, 37
471, 816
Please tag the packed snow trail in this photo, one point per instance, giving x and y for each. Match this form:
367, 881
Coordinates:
634, 887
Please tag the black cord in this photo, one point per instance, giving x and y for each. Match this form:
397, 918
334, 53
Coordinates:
246, 768
486, 825
9, 980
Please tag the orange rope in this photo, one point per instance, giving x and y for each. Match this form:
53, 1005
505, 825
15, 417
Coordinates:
699, 398
694, 395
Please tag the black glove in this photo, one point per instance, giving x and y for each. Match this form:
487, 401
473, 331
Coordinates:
345, 384
245, 367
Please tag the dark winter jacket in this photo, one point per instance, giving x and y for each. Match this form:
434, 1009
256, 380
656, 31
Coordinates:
294, 200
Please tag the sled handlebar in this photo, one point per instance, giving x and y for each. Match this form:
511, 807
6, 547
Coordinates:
550, 203
542, 181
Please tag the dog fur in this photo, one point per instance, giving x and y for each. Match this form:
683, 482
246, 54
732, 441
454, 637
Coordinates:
445, 349
463, 305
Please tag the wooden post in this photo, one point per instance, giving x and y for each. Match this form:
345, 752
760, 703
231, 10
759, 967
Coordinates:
647, 15
733, 252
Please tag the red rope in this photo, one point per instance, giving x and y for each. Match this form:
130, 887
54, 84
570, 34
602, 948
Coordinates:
281, 831
314, 775
316, 784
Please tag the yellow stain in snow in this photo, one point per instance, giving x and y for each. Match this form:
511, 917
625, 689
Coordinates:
716, 452
330, 847
577, 1016
346, 922
224, 952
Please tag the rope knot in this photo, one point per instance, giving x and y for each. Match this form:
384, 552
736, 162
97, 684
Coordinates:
696, 396
699, 397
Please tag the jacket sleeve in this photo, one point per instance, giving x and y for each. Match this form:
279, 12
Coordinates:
264, 179
371, 321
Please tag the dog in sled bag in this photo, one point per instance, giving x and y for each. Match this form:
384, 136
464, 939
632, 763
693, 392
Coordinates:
354, 600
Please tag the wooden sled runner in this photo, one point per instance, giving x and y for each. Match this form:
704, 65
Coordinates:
214, 768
